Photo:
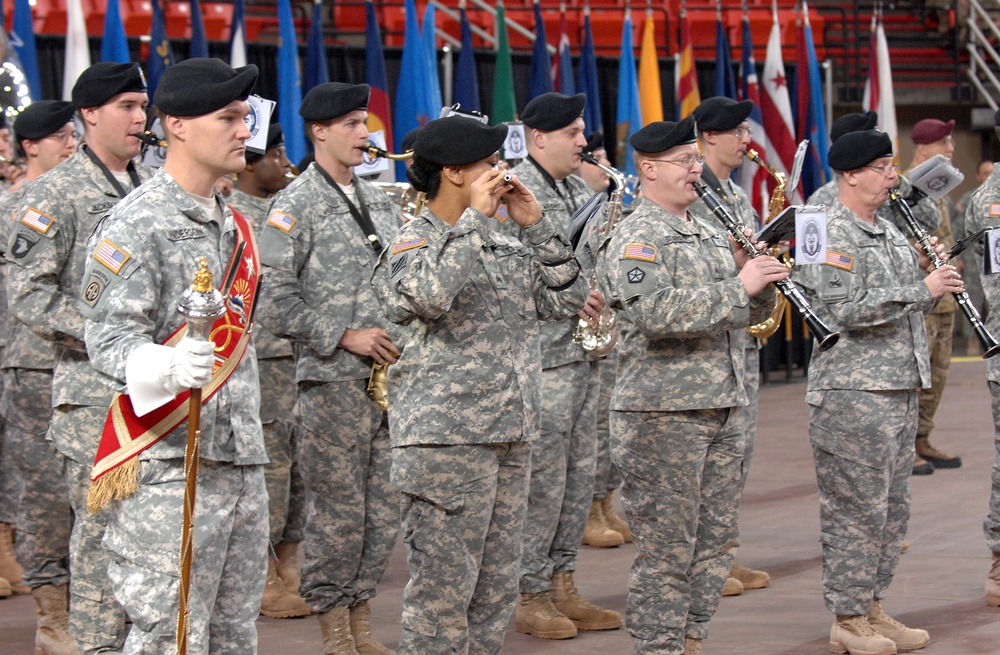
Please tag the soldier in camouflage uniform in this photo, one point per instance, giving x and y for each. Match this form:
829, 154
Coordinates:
676, 433
143, 254
465, 393
45, 519
266, 174
861, 426
564, 457
319, 246
723, 137
48, 251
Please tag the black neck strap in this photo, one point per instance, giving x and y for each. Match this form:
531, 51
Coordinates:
362, 217
132, 173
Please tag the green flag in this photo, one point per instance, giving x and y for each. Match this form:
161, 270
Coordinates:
504, 103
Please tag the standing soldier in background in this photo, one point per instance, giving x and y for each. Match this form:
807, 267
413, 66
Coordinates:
319, 246
676, 429
48, 254
266, 174
564, 456
933, 137
44, 518
723, 137
471, 299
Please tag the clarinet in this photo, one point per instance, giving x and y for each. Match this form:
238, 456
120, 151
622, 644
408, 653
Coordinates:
986, 340
824, 335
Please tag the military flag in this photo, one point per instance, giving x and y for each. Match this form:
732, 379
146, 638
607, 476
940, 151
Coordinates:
753, 179
811, 112
161, 56
541, 67
879, 95
114, 46
504, 102
289, 84
725, 84
317, 71
688, 94
563, 67
775, 105
379, 114
199, 43
78, 49
466, 92
650, 94
238, 36
586, 80
629, 119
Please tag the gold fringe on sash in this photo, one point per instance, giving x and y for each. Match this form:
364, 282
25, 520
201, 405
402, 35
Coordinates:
118, 484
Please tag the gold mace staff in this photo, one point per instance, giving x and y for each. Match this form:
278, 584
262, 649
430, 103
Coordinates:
201, 305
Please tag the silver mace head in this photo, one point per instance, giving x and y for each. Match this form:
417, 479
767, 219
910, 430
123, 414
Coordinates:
201, 304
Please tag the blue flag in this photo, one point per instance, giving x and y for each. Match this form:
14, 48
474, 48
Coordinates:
413, 107
23, 40
317, 71
429, 38
586, 79
541, 65
810, 111
199, 44
160, 55
725, 83
629, 119
238, 37
289, 84
466, 92
379, 114
114, 46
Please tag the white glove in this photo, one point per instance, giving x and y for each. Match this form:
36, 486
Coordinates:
155, 374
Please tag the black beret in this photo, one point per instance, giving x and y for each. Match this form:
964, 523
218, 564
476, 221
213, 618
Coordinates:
330, 100
553, 111
42, 118
275, 138
853, 123
663, 135
408, 140
719, 114
457, 141
103, 81
199, 86
595, 141
855, 150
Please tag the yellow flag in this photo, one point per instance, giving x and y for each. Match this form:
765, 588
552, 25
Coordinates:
650, 97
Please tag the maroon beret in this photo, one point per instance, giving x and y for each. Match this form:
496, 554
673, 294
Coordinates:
930, 130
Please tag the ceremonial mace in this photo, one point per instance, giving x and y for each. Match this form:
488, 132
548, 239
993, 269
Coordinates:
201, 305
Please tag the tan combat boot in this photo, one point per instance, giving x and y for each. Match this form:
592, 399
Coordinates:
904, 638
749, 578
278, 602
615, 522
733, 587
993, 583
336, 627
52, 635
5, 589
584, 614
287, 553
598, 533
926, 450
854, 635
692, 646
10, 570
361, 628
535, 615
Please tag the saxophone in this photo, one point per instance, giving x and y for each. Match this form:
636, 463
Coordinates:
770, 325
598, 337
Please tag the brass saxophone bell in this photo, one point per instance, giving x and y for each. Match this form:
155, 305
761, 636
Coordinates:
378, 385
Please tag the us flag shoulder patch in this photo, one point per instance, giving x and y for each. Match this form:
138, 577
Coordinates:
407, 245
36, 220
111, 256
640, 251
281, 220
839, 260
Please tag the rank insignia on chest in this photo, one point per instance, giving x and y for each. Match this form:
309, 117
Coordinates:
640, 251
407, 245
636, 275
281, 220
111, 256
36, 220
839, 260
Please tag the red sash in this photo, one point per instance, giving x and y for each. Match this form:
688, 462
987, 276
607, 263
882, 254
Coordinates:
116, 467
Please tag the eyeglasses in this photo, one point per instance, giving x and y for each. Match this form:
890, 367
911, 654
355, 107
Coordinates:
64, 136
883, 168
740, 132
686, 162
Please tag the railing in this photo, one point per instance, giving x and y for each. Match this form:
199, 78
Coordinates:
984, 61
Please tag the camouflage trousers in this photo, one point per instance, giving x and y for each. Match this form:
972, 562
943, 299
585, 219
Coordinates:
681, 494
606, 475
96, 620
45, 518
939, 340
863, 450
562, 474
11, 483
286, 492
991, 526
463, 515
229, 561
751, 382
353, 521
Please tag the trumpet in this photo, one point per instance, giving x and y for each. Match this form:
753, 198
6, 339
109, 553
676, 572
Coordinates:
986, 340
824, 335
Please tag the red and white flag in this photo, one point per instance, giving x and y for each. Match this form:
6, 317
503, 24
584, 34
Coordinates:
753, 178
879, 95
777, 108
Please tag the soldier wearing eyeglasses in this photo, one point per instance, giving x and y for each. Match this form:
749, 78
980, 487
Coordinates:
682, 294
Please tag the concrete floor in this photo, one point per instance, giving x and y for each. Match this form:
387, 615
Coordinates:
939, 585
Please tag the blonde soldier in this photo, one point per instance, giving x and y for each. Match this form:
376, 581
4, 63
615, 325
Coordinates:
564, 457
48, 253
465, 392
723, 137
319, 246
676, 433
